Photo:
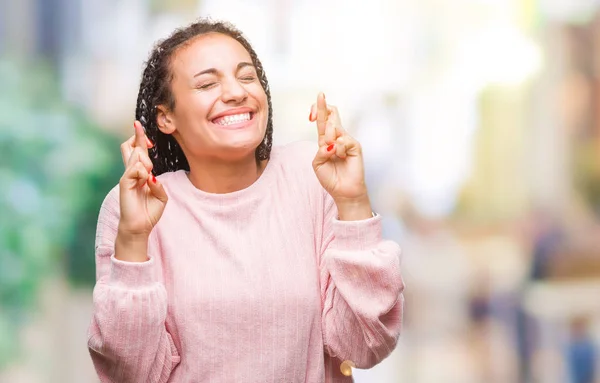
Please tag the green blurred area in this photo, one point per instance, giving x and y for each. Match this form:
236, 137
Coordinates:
55, 170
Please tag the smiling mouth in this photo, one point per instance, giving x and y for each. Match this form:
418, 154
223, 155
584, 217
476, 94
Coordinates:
233, 119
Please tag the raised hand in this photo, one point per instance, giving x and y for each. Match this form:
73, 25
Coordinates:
338, 163
142, 196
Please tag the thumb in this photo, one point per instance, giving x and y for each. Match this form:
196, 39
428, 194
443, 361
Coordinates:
323, 155
157, 189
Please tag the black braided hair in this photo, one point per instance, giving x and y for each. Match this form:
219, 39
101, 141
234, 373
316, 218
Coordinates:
155, 89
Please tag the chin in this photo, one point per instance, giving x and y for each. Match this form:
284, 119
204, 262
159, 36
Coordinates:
241, 148
239, 140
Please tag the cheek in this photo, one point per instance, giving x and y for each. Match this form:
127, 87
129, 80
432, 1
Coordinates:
261, 96
191, 115
197, 105
203, 104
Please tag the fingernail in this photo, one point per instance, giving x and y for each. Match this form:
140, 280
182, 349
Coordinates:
149, 142
330, 148
153, 178
310, 116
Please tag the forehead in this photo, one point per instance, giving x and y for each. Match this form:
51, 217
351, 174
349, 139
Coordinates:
211, 50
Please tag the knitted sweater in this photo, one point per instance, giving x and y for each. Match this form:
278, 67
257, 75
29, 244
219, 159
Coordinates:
260, 285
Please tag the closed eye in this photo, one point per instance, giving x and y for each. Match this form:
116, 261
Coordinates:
206, 86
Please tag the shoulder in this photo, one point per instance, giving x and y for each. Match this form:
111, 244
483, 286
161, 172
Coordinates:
296, 155
110, 204
293, 162
173, 181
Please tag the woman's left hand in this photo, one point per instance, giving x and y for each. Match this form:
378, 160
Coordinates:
338, 163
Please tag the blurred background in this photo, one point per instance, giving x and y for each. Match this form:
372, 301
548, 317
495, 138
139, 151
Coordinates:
480, 121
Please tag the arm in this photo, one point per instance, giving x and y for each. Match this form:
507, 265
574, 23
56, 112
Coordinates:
127, 338
361, 289
361, 286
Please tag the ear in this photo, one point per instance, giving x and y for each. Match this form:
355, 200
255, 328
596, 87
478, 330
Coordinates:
165, 120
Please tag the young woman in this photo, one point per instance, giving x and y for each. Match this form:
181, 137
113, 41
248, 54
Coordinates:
222, 259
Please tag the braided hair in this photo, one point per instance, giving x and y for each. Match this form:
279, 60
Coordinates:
155, 89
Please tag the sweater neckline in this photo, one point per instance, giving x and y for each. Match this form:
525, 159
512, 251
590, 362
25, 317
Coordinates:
255, 188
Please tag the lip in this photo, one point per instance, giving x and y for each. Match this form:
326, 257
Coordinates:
230, 112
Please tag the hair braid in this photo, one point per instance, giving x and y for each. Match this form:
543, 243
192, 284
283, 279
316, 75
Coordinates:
155, 89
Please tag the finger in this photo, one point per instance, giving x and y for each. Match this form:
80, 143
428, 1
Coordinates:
322, 113
145, 159
157, 189
340, 147
136, 175
142, 181
313, 113
140, 136
330, 132
131, 141
333, 124
138, 155
323, 155
336, 120
352, 146
127, 148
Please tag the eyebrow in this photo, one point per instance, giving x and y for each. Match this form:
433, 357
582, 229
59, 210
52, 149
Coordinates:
241, 65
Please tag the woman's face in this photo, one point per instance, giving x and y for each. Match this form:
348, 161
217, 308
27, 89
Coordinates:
221, 108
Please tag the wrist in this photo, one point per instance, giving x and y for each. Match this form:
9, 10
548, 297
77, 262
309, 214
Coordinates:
131, 247
354, 209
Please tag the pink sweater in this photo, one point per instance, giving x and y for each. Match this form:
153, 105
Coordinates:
260, 285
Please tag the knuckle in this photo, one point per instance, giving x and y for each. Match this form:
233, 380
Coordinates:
129, 173
138, 153
146, 159
140, 167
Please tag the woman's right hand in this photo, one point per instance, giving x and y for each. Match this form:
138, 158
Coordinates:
142, 196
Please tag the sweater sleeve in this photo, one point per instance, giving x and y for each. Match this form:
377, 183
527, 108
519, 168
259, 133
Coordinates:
127, 338
361, 289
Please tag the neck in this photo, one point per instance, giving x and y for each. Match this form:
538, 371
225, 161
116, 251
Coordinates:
219, 177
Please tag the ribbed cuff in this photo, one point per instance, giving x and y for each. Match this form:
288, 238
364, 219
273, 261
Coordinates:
132, 274
357, 235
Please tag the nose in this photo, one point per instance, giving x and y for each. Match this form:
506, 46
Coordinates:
233, 91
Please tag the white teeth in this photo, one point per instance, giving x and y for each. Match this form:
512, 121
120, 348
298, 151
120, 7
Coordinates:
233, 119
